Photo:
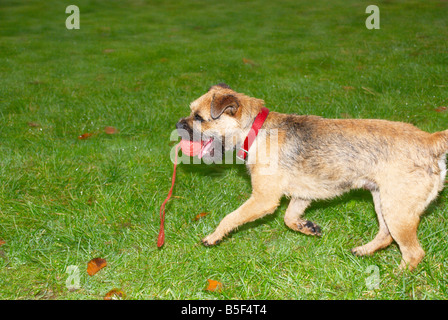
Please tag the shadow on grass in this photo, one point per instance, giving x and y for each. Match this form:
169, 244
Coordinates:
315, 206
219, 170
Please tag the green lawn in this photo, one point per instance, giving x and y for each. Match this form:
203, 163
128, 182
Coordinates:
136, 65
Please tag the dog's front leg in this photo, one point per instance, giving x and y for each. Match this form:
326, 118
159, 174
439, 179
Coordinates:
257, 206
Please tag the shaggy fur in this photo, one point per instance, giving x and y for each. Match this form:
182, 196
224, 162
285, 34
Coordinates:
316, 158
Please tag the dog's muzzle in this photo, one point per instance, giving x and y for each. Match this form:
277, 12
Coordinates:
192, 145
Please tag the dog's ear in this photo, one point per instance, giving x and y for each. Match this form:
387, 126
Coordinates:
226, 103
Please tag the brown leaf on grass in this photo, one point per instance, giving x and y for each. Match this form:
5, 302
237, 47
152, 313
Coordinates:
91, 201
200, 215
115, 294
85, 136
214, 286
250, 62
33, 124
2, 242
110, 130
440, 109
95, 265
348, 88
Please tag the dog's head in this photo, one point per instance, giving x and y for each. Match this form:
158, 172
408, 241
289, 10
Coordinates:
221, 118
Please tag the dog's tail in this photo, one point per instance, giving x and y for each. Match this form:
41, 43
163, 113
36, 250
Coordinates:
440, 142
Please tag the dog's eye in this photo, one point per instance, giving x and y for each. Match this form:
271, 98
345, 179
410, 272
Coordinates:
197, 117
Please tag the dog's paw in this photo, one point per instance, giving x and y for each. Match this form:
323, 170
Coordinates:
310, 228
208, 242
360, 251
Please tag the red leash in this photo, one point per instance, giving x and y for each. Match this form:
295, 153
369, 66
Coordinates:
161, 237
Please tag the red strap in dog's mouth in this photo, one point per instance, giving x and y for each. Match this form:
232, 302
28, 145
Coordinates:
196, 148
206, 148
161, 237
190, 148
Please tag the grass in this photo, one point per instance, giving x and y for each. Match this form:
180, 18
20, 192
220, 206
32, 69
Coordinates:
136, 65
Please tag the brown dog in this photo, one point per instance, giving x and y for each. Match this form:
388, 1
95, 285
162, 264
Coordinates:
317, 158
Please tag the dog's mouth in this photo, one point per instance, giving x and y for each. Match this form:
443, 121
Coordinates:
197, 148
207, 148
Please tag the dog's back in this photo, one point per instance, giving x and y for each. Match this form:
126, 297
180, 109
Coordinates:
354, 153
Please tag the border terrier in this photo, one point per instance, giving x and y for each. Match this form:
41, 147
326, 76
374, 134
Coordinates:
402, 166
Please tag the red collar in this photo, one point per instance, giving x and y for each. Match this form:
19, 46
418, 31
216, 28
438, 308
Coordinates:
258, 122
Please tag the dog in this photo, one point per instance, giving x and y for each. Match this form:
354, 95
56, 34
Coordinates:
317, 158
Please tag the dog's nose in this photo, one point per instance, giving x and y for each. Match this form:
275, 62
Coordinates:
182, 124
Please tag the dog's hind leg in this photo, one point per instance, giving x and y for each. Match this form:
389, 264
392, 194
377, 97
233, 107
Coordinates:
383, 238
402, 203
402, 216
294, 221
402, 225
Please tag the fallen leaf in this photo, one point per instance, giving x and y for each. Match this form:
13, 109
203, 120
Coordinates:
91, 201
85, 136
200, 215
348, 88
110, 130
440, 109
33, 124
95, 265
250, 62
214, 285
2, 242
114, 294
